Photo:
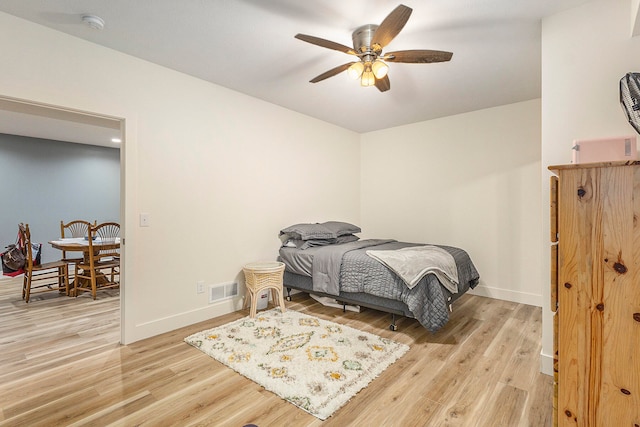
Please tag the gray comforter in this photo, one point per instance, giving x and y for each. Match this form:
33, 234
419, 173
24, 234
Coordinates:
347, 268
327, 263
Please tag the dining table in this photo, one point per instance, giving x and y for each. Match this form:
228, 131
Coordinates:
81, 244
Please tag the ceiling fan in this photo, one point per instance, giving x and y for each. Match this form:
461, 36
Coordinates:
368, 42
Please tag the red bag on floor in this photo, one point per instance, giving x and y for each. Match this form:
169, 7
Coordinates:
7, 262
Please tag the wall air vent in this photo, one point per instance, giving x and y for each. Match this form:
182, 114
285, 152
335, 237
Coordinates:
222, 291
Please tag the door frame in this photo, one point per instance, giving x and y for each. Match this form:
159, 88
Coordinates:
127, 123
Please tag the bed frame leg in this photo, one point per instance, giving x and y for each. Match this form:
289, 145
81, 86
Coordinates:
393, 326
288, 297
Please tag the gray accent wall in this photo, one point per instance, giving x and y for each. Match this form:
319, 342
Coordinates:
45, 182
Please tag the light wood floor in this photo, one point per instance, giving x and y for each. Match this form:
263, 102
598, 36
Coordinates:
61, 364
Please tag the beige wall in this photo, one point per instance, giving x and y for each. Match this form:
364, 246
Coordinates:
585, 53
220, 173
472, 181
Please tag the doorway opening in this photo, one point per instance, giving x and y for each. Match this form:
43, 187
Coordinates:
39, 123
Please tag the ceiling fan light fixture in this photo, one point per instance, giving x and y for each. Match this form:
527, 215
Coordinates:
368, 79
355, 70
380, 69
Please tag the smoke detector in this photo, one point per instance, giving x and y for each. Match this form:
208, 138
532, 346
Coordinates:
93, 21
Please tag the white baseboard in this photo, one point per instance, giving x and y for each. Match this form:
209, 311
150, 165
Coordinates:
166, 324
546, 364
507, 295
170, 323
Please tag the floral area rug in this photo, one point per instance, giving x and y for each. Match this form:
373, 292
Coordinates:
315, 364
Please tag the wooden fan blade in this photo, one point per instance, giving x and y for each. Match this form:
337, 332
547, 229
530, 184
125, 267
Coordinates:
383, 84
391, 26
325, 43
418, 56
332, 72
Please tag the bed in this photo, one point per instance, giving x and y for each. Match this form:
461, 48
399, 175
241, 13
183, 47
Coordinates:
329, 260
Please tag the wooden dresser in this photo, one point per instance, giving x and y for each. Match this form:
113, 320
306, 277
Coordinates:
595, 293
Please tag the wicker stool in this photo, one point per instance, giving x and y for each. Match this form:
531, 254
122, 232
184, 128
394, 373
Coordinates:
260, 276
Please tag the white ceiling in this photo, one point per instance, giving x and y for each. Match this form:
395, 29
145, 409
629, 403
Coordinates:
249, 46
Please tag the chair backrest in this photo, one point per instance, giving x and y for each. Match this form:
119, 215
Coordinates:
106, 232
77, 228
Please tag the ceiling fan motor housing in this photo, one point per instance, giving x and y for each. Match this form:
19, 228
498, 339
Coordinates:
362, 37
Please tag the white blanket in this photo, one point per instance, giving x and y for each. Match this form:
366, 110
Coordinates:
413, 263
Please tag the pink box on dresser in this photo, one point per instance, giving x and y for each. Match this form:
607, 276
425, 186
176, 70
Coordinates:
605, 149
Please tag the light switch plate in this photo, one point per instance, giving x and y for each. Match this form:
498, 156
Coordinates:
145, 220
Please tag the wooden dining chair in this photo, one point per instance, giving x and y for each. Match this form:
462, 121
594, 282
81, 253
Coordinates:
110, 232
47, 277
101, 269
77, 228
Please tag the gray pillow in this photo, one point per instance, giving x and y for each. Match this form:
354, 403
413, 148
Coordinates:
307, 232
341, 228
305, 244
